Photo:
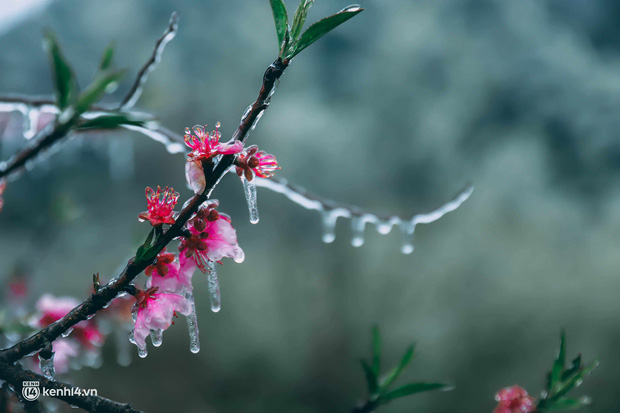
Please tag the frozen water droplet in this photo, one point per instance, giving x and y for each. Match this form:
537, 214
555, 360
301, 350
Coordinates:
249, 188
31, 123
157, 337
358, 224
192, 325
352, 8
407, 229
66, 333
330, 216
384, 227
214, 287
142, 352
47, 367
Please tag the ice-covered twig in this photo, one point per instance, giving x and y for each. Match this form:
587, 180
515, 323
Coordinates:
332, 210
136, 90
15, 375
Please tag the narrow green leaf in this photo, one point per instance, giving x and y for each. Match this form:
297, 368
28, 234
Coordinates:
65, 82
280, 17
558, 365
106, 58
376, 351
576, 365
568, 404
300, 18
144, 248
575, 380
324, 26
413, 388
371, 378
95, 90
113, 120
398, 370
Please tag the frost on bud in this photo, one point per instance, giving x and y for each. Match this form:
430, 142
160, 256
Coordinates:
514, 400
195, 176
161, 205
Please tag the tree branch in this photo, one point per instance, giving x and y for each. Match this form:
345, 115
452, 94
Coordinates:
15, 375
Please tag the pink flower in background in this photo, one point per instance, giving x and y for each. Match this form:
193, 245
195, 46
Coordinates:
206, 145
52, 309
2, 188
261, 163
160, 206
213, 238
64, 349
178, 278
161, 266
514, 400
154, 311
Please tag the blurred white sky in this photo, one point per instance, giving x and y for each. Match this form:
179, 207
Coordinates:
12, 12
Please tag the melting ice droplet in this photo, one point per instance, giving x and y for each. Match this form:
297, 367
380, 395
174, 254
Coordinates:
214, 287
47, 367
358, 224
249, 188
407, 229
157, 337
192, 325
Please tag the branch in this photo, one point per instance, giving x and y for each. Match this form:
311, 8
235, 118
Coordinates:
15, 375
134, 267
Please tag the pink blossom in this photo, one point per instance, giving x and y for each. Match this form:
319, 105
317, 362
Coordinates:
178, 278
2, 188
52, 309
160, 208
514, 400
64, 350
212, 238
206, 145
154, 311
261, 163
195, 176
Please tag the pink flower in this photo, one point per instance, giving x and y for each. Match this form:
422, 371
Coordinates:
206, 145
154, 311
2, 188
64, 349
52, 309
212, 238
160, 210
178, 278
261, 163
514, 400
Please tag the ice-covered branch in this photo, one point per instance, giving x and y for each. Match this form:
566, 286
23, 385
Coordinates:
16, 375
136, 90
332, 210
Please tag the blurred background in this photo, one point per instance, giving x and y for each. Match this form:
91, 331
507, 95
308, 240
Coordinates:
394, 111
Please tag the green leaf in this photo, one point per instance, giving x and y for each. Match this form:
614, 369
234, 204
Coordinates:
324, 26
114, 120
144, 248
575, 366
371, 378
106, 58
413, 388
376, 351
300, 18
576, 380
95, 90
280, 18
568, 404
65, 82
398, 370
558, 365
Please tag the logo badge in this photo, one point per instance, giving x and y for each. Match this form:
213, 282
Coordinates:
30, 390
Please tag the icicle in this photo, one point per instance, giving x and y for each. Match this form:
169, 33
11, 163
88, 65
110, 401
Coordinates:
214, 287
31, 123
67, 333
192, 325
329, 223
123, 355
47, 366
408, 229
358, 224
157, 337
142, 352
249, 188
